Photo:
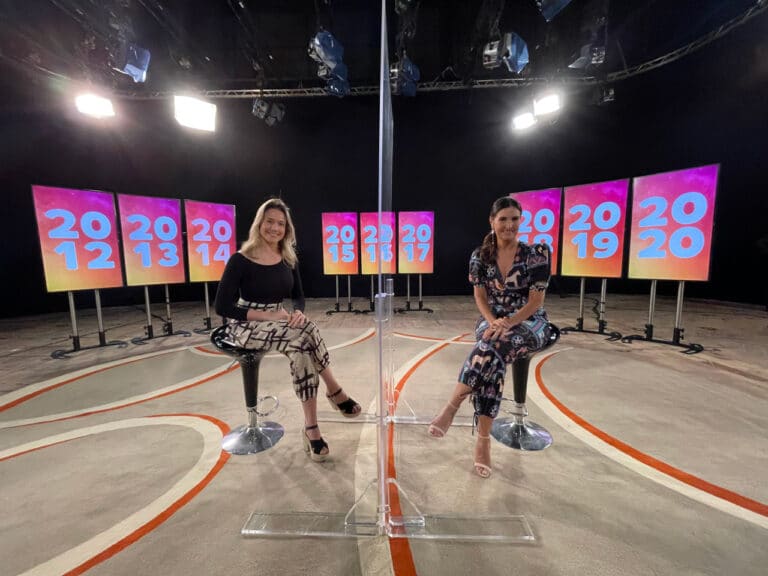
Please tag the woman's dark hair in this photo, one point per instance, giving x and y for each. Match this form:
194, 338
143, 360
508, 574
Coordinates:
488, 248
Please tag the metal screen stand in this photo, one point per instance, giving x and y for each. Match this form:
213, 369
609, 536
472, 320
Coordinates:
337, 307
207, 319
678, 331
408, 308
59, 354
167, 324
601, 322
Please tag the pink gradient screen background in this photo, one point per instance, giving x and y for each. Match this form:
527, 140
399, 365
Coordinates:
416, 242
340, 243
78, 238
593, 229
151, 234
371, 242
210, 239
541, 219
672, 220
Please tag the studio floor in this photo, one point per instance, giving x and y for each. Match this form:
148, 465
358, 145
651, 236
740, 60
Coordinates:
111, 463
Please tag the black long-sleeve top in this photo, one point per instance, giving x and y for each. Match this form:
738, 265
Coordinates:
265, 284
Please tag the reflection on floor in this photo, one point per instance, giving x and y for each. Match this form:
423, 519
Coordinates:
111, 457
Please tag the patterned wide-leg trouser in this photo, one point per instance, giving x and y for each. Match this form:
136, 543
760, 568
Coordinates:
486, 364
303, 346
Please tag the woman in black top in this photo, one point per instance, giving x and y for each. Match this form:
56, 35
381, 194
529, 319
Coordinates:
250, 298
510, 279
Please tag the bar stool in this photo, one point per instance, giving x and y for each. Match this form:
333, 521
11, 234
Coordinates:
257, 435
517, 432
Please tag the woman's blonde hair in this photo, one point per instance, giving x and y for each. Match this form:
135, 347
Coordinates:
287, 245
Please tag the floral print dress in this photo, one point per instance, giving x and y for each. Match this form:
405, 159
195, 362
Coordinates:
486, 364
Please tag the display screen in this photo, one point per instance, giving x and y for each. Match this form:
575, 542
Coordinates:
416, 242
210, 239
593, 229
340, 243
672, 220
78, 238
374, 242
151, 233
540, 220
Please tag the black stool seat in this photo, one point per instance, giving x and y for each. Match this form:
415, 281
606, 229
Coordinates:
256, 436
517, 432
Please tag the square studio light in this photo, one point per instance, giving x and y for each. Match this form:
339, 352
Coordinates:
194, 113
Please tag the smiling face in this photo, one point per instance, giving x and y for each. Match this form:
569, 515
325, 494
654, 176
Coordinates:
272, 228
505, 224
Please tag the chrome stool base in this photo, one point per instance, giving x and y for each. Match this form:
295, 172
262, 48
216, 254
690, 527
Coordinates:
520, 434
247, 439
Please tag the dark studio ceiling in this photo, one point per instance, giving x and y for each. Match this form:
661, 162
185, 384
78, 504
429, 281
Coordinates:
242, 45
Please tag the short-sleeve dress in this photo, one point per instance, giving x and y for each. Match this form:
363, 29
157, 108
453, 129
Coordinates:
486, 364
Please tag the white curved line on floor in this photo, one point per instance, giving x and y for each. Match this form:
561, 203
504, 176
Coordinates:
117, 404
31, 388
537, 396
84, 552
431, 339
133, 399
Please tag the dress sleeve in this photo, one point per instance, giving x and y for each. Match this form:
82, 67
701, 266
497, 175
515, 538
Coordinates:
475, 268
539, 267
229, 290
297, 294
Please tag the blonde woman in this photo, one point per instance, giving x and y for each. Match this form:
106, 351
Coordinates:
250, 297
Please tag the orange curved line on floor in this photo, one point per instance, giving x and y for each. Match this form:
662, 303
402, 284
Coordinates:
400, 548
135, 402
36, 449
430, 338
160, 518
663, 467
165, 514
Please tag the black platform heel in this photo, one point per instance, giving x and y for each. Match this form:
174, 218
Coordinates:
314, 448
349, 408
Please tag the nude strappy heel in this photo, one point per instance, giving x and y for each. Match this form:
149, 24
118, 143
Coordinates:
434, 430
483, 470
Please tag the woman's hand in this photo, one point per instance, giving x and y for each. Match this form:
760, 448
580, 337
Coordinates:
281, 315
497, 328
297, 319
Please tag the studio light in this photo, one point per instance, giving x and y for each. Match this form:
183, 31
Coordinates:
547, 104
604, 94
328, 53
270, 112
95, 106
194, 113
515, 55
523, 120
551, 8
404, 76
511, 50
136, 62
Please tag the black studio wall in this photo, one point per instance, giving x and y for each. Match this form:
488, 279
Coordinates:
454, 153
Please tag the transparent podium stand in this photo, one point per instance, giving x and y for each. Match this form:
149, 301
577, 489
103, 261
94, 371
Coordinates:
384, 508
